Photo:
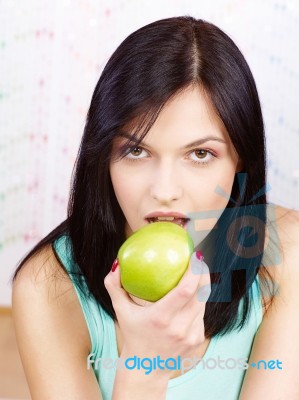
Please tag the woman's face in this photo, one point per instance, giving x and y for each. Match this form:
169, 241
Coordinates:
166, 173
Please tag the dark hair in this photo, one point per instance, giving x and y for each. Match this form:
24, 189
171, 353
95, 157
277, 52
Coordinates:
148, 68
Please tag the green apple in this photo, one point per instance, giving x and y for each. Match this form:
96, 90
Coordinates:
153, 259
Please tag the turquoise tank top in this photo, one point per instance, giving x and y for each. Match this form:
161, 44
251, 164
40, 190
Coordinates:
206, 381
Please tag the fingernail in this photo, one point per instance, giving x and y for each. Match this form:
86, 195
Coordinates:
198, 266
114, 265
199, 255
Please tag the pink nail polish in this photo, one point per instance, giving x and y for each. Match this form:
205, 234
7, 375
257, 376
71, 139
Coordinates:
199, 255
114, 265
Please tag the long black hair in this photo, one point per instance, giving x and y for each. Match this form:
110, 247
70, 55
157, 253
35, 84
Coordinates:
148, 68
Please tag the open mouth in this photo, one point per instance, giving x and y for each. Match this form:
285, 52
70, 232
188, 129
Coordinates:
179, 221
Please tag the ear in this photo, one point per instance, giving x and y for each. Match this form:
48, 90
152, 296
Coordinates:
240, 166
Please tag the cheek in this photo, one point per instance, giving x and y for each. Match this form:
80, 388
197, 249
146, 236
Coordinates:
215, 189
118, 183
126, 190
212, 195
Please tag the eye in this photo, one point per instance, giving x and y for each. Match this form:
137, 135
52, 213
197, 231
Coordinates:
135, 151
202, 156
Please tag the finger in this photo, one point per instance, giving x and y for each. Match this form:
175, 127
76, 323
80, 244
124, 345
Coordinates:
205, 288
197, 302
188, 286
194, 310
113, 285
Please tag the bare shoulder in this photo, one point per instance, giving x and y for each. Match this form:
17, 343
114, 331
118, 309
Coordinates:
43, 279
288, 231
284, 223
279, 330
287, 221
44, 287
287, 225
43, 273
53, 347
280, 260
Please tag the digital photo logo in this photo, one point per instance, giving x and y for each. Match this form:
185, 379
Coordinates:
242, 237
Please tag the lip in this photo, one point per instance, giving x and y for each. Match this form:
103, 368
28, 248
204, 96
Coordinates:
174, 214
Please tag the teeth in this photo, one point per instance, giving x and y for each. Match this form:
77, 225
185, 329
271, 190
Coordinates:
178, 221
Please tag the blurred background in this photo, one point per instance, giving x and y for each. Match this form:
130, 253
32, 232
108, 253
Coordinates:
51, 56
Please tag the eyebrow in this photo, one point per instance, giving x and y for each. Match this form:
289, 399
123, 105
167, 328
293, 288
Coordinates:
203, 140
188, 146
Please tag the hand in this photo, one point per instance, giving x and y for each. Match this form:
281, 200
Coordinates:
171, 326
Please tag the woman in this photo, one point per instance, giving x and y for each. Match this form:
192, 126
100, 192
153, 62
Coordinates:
174, 125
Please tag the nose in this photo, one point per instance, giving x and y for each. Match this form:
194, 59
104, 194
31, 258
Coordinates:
166, 186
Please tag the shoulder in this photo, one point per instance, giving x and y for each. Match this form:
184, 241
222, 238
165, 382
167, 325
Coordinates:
287, 224
51, 331
288, 231
280, 260
278, 332
287, 221
284, 243
282, 233
40, 270
43, 291
42, 275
